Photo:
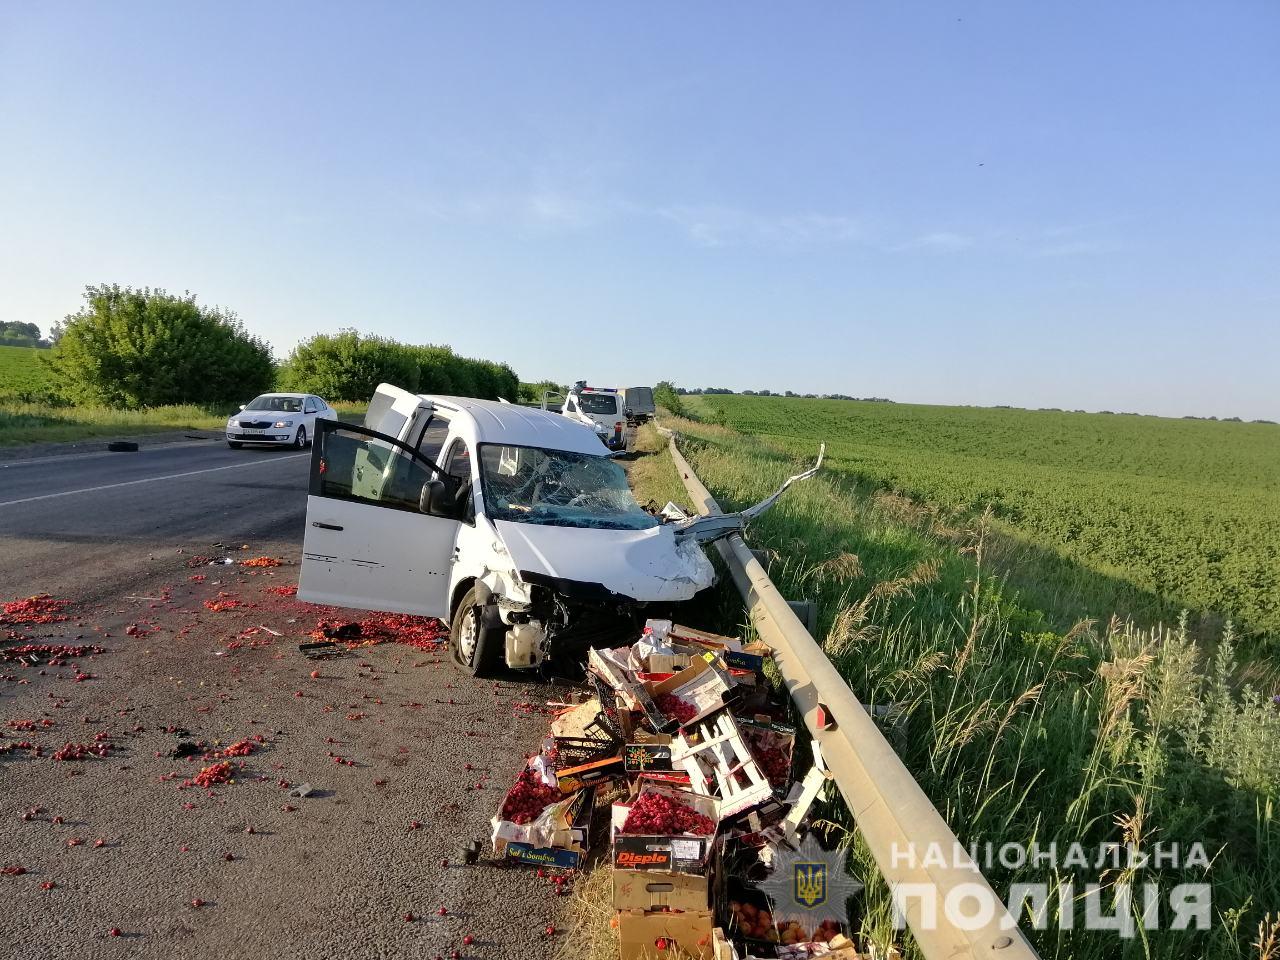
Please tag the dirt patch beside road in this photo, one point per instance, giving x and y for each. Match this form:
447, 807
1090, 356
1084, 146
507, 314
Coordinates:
408, 760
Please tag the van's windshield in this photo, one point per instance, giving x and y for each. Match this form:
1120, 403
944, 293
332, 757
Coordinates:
558, 488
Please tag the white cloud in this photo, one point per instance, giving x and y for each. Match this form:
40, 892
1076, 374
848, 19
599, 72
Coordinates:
710, 225
942, 240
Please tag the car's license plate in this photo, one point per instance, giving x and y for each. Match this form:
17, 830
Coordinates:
252, 430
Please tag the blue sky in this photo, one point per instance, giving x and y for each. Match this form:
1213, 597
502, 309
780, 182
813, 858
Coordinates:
1071, 205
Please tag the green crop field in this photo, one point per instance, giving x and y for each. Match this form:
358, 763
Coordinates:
22, 376
1021, 725
1117, 514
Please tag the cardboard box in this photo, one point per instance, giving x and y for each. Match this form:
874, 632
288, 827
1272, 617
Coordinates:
642, 757
665, 936
587, 774
704, 683
685, 853
731, 650
559, 837
666, 662
656, 890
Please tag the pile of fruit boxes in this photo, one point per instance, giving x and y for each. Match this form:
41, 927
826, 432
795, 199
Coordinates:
684, 754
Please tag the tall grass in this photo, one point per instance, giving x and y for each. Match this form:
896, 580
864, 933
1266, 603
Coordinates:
1020, 730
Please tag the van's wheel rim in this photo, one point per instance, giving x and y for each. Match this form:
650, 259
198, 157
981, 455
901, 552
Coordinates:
468, 636
301, 440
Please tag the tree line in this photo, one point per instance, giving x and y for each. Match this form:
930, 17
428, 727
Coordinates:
14, 333
132, 348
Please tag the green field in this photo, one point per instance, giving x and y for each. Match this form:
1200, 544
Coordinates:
1021, 726
1139, 516
22, 376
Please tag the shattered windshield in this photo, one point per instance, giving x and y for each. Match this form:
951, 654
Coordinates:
558, 488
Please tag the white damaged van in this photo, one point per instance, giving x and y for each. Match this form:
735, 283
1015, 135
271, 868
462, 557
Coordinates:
514, 525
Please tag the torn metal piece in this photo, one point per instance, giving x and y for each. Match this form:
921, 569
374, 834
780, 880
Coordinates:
717, 526
673, 512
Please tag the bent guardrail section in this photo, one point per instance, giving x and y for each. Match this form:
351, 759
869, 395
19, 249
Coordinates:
892, 813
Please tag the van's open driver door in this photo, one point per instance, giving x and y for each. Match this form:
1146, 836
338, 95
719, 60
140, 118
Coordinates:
367, 544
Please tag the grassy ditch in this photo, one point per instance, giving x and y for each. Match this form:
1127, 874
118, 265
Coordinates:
1020, 728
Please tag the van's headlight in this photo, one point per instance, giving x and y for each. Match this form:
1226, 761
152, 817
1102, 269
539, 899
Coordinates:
283, 423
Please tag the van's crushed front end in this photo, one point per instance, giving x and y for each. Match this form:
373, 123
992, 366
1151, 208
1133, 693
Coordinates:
577, 563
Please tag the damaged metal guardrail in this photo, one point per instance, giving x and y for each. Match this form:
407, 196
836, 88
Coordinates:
895, 818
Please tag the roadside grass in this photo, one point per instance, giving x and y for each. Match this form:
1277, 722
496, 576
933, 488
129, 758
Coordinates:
24, 423
1020, 729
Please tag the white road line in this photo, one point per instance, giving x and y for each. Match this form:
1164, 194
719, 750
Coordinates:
130, 483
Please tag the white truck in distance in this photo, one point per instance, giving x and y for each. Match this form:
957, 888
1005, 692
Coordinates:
600, 408
513, 525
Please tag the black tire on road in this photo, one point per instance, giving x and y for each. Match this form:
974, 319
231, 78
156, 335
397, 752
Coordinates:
300, 441
475, 648
122, 446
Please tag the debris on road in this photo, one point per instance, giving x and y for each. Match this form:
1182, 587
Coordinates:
685, 754
40, 608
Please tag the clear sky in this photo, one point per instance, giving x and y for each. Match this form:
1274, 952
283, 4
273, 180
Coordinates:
1070, 205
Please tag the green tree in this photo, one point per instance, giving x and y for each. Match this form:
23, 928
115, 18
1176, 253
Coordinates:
664, 395
144, 348
14, 333
349, 366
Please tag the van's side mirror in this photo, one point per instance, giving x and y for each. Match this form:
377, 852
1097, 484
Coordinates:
434, 500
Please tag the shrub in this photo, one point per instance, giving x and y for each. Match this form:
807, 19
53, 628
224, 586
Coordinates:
664, 395
130, 348
349, 366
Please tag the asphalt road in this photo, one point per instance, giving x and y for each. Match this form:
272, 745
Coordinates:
91, 525
409, 758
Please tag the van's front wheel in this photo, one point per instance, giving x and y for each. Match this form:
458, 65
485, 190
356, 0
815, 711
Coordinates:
476, 648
